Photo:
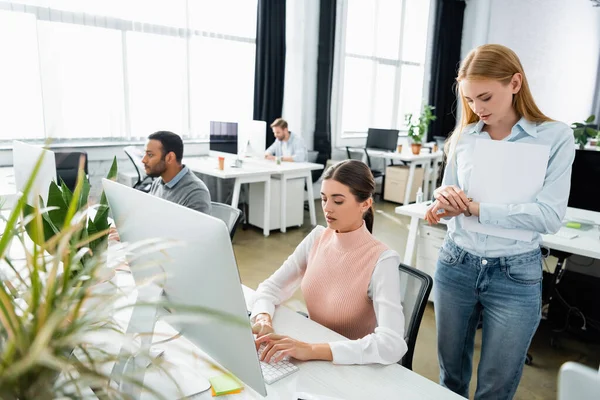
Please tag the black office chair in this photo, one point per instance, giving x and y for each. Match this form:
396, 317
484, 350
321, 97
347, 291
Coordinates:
67, 166
144, 182
231, 216
379, 139
416, 286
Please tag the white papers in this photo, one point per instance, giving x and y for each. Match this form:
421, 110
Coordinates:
506, 173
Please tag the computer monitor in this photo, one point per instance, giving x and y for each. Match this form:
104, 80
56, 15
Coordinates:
252, 140
224, 137
382, 139
586, 170
25, 156
201, 272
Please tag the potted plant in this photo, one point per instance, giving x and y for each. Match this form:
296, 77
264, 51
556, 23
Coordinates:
582, 131
52, 313
56, 210
418, 128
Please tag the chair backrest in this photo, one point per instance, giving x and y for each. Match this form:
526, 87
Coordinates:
228, 214
67, 166
134, 154
415, 287
578, 382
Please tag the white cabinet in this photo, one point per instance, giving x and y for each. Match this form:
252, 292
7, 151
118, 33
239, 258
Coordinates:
429, 242
294, 207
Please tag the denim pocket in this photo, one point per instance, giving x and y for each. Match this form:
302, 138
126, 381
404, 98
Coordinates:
525, 271
448, 255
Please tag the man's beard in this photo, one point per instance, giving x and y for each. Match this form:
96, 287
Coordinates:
157, 170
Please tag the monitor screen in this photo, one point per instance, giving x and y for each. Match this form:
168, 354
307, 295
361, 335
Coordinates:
383, 139
224, 137
584, 187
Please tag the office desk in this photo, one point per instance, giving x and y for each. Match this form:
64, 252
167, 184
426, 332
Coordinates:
248, 173
406, 156
586, 244
324, 378
292, 170
8, 189
258, 170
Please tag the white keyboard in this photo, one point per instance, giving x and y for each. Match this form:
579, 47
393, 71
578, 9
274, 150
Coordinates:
272, 372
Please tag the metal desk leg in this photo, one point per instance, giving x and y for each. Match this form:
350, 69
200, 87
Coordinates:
436, 170
283, 203
411, 179
267, 208
237, 187
311, 197
425, 184
411, 242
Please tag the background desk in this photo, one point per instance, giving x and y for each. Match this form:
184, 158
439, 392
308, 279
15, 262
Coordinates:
256, 170
424, 159
586, 244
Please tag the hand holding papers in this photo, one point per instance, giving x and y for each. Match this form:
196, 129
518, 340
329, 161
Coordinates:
506, 173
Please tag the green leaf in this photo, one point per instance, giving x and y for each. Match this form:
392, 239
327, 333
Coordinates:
112, 173
66, 192
590, 119
31, 227
85, 192
56, 199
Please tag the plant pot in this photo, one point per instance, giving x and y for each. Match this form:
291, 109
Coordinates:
416, 148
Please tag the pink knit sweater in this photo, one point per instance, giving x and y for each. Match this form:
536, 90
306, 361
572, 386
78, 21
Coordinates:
337, 279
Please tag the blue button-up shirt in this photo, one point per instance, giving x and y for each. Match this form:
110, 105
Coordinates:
171, 184
542, 216
295, 148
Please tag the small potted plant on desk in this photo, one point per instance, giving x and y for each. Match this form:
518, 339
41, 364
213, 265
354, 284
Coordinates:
417, 129
586, 130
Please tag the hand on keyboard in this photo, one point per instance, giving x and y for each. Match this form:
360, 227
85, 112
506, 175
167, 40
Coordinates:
274, 371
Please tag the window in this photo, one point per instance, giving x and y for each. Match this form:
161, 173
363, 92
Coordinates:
21, 114
383, 63
120, 69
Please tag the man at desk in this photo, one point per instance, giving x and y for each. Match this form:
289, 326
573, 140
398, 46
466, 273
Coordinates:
175, 182
288, 146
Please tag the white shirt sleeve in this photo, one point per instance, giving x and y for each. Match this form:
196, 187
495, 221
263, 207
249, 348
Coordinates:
283, 283
386, 345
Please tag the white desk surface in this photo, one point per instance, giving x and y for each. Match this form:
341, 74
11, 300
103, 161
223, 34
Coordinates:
250, 167
344, 381
406, 155
587, 243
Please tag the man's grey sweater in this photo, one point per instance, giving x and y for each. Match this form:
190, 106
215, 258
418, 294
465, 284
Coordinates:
185, 189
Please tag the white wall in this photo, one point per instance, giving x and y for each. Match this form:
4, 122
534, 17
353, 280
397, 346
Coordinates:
300, 85
558, 42
100, 159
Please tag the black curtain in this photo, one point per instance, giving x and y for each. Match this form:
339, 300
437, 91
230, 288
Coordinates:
269, 70
444, 65
322, 134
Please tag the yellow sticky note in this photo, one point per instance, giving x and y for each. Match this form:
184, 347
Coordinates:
225, 384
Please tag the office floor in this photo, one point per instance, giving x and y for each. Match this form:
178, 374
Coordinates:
258, 257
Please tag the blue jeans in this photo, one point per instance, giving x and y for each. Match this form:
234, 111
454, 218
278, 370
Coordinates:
507, 293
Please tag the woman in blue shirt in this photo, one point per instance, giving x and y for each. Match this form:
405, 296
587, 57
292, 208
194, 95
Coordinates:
481, 275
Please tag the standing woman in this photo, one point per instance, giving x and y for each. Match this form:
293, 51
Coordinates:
485, 276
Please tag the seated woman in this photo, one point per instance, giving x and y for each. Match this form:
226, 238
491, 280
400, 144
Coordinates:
349, 279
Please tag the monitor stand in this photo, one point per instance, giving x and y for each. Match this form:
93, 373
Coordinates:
181, 368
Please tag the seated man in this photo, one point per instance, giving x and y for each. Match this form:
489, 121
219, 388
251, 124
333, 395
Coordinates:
175, 182
288, 146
